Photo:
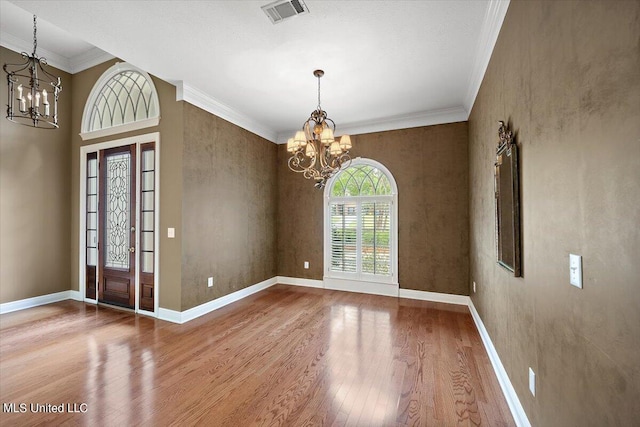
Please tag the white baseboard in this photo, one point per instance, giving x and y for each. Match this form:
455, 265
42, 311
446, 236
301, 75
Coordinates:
208, 307
384, 289
172, 316
375, 289
22, 304
435, 296
517, 411
309, 283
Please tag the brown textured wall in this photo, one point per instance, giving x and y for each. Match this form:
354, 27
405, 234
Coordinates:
566, 75
34, 200
170, 129
229, 208
430, 166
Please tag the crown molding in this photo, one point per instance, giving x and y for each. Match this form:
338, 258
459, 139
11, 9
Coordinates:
413, 120
491, 25
18, 45
196, 97
88, 59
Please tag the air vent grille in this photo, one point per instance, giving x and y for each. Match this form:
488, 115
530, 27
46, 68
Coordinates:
283, 9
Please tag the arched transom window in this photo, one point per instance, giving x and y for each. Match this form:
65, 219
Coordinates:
361, 224
123, 99
361, 180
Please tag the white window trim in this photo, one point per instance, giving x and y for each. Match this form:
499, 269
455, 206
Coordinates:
362, 282
116, 69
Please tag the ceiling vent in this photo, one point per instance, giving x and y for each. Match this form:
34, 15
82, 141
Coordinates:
280, 10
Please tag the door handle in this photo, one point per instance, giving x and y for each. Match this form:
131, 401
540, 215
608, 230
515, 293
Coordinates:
132, 249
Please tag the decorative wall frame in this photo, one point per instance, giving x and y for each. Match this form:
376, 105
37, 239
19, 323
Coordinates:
507, 205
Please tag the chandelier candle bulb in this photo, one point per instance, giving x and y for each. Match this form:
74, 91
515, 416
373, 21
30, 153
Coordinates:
45, 102
23, 104
327, 136
291, 145
311, 150
299, 140
345, 142
30, 98
20, 93
37, 99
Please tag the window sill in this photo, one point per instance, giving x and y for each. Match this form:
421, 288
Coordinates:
364, 286
127, 127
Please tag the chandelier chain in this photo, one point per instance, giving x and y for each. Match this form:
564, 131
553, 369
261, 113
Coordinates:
35, 39
319, 108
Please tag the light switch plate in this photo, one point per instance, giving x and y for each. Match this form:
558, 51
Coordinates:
532, 381
306, 264
575, 270
171, 232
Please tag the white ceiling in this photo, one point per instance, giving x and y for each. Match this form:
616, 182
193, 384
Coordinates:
388, 64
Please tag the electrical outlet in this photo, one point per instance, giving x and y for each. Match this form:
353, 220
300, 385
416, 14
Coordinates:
474, 287
210, 282
532, 381
306, 265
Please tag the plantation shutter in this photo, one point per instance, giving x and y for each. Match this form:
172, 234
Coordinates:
375, 233
344, 227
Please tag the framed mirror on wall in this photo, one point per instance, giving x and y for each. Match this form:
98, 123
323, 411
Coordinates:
507, 194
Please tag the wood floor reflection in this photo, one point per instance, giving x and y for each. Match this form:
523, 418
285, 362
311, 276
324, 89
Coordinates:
285, 356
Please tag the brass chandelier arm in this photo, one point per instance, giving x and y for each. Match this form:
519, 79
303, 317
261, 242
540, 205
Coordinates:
296, 162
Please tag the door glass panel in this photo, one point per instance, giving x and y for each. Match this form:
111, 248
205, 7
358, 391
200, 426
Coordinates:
147, 241
118, 210
148, 160
147, 262
92, 182
147, 201
147, 221
92, 256
92, 203
147, 180
92, 220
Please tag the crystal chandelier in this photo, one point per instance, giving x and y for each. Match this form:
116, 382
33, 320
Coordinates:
33, 91
315, 152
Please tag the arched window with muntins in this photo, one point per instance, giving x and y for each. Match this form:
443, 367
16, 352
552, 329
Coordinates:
123, 99
361, 224
361, 180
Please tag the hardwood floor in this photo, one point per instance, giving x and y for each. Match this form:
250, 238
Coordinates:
285, 356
